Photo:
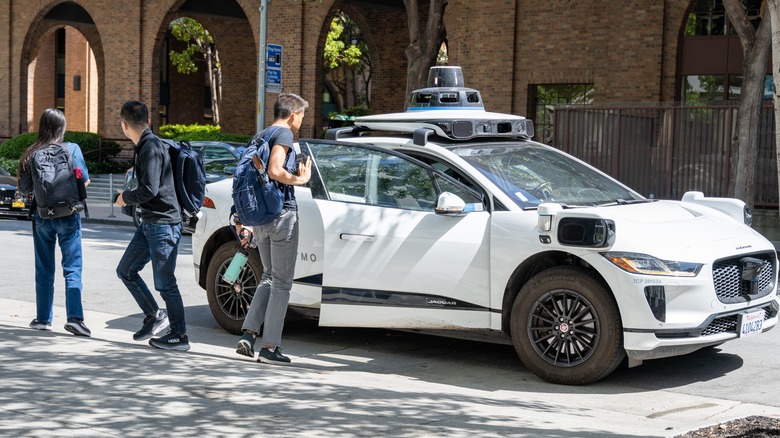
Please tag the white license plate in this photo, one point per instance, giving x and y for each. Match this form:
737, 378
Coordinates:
750, 323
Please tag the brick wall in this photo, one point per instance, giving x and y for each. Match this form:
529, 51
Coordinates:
626, 49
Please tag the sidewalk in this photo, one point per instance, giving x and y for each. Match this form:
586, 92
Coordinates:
56, 384
102, 211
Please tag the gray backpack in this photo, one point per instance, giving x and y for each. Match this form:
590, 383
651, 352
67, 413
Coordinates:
56, 189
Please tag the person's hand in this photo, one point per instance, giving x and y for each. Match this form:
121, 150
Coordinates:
304, 171
120, 202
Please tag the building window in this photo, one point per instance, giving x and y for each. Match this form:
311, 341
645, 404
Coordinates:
708, 17
59, 65
707, 89
542, 98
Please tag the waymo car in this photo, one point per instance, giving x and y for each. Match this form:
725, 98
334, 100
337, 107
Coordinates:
447, 218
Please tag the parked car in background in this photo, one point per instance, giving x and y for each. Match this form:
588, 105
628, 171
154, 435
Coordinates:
219, 157
12, 203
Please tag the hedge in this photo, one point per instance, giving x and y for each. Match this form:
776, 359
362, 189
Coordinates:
175, 131
92, 146
218, 136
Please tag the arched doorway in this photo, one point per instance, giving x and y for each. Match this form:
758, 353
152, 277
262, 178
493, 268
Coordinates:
62, 64
186, 98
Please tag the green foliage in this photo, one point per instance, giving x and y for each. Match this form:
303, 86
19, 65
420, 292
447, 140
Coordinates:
14, 147
177, 130
214, 136
337, 51
197, 38
91, 144
10, 165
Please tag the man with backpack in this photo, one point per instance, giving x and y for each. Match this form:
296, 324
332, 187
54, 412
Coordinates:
277, 241
157, 238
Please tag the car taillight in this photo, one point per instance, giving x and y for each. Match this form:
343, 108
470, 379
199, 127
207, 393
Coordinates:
208, 203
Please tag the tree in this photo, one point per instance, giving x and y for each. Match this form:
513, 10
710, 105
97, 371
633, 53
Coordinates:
774, 16
424, 41
346, 60
198, 40
755, 50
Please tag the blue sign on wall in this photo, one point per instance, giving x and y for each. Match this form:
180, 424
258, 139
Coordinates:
274, 57
273, 69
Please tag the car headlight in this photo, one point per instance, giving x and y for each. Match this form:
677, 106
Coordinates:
649, 265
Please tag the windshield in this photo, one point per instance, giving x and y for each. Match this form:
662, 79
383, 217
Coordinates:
531, 174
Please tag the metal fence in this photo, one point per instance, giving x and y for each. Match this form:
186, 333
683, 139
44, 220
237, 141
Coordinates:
665, 151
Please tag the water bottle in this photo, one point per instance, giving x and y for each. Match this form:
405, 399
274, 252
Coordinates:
238, 262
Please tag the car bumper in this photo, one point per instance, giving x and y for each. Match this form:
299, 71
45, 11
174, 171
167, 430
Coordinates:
719, 328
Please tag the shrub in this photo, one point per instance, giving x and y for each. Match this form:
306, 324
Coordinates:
175, 131
104, 167
216, 136
92, 146
14, 147
10, 165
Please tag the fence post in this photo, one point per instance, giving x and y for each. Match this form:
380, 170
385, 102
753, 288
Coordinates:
111, 193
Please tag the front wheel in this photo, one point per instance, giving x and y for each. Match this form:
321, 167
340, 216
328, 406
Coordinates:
229, 303
566, 327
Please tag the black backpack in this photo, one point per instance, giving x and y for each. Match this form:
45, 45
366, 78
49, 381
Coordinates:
57, 189
189, 177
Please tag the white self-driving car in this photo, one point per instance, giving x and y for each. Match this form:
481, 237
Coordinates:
453, 220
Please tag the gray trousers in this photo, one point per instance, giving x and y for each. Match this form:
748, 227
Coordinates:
278, 246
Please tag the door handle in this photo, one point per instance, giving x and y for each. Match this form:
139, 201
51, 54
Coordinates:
357, 237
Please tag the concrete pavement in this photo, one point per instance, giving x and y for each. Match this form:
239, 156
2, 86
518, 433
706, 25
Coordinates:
56, 384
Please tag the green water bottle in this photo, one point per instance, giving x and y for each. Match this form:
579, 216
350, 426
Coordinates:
239, 260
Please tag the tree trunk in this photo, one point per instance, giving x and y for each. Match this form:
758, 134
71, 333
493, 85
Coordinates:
774, 16
212, 85
423, 42
755, 49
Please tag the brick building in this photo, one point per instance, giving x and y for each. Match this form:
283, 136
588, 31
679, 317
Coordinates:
511, 50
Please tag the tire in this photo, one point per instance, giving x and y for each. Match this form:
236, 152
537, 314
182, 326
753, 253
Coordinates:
230, 303
565, 326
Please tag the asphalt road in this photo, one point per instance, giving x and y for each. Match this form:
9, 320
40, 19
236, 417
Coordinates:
343, 382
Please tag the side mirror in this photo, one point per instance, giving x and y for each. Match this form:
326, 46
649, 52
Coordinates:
450, 204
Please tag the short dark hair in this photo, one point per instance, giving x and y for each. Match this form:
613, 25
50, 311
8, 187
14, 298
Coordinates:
288, 103
135, 114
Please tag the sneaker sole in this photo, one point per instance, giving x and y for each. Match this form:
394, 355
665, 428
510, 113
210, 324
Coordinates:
261, 359
157, 328
76, 331
177, 347
245, 349
42, 329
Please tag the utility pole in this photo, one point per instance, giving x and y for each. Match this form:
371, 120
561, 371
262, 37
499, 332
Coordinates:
261, 60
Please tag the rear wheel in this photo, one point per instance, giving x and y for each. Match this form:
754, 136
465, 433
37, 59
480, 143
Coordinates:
566, 327
230, 303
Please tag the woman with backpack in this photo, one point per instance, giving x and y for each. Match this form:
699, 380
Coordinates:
62, 223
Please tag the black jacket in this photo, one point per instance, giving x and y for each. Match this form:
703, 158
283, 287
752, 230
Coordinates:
155, 193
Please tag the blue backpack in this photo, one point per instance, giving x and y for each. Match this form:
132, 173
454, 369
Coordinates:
257, 199
189, 176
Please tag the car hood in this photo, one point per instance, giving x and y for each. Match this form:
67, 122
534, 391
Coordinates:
674, 230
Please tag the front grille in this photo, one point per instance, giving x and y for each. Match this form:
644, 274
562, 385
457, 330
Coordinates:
7, 194
728, 324
729, 285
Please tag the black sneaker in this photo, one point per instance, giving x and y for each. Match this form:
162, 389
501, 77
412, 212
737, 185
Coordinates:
171, 341
274, 357
37, 325
246, 345
153, 324
78, 328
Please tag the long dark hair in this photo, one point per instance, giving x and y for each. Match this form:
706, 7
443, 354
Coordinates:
51, 129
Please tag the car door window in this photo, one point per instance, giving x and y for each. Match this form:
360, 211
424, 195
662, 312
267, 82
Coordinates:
358, 174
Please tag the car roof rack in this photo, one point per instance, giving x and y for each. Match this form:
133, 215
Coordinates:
445, 109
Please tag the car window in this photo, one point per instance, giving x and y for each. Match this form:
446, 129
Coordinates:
357, 174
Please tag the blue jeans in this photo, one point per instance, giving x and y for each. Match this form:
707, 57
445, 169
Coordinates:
46, 232
158, 243
277, 243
